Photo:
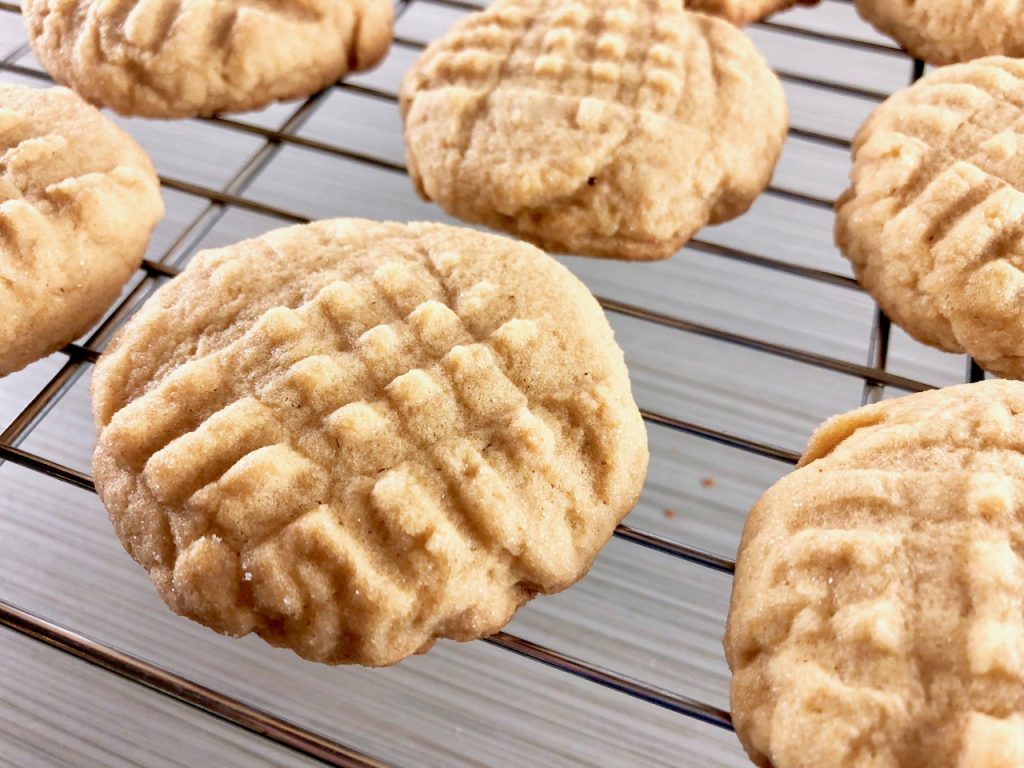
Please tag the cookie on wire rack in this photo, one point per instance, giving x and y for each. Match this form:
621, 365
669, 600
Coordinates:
877, 613
353, 438
943, 32
603, 128
78, 202
182, 58
743, 11
932, 219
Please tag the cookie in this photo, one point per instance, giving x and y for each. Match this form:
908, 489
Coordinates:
743, 11
943, 32
353, 438
181, 58
932, 220
602, 128
877, 612
79, 202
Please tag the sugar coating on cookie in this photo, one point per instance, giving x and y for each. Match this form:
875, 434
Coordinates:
353, 438
877, 613
180, 58
743, 11
78, 202
932, 220
603, 128
944, 32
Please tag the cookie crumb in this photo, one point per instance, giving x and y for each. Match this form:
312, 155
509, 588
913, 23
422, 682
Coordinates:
707, 482
669, 513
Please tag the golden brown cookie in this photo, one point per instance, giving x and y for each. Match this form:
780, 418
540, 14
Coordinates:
743, 11
932, 221
603, 128
78, 202
944, 32
353, 438
877, 613
179, 58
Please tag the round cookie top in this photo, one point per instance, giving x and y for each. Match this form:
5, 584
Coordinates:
78, 202
931, 221
744, 11
944, 32
604, 128
180, 58
877, 612
353, 438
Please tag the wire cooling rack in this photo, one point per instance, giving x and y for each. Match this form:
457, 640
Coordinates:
258, 174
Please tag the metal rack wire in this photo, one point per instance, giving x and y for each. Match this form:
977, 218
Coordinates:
79, 356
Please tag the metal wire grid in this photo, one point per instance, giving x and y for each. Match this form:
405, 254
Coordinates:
79, 356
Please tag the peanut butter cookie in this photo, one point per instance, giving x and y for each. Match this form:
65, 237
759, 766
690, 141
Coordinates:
353, 438
78, 202
180, 58
943, 32
743, 11
932, 220
877, 613
604, 128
